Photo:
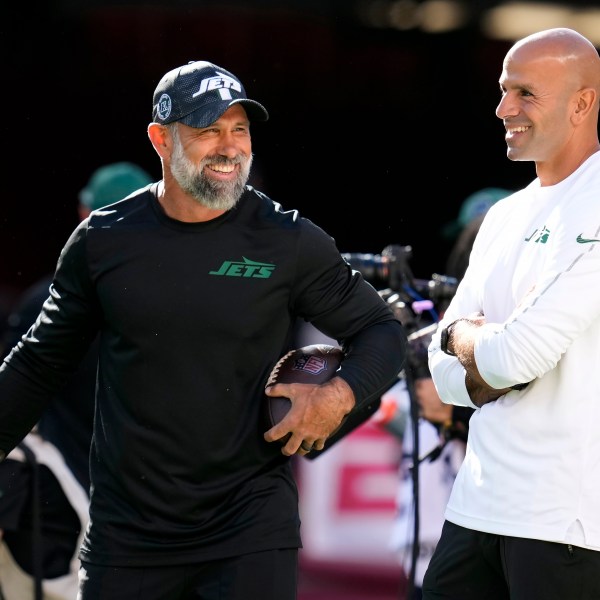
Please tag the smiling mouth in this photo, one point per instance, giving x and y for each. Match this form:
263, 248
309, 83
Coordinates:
513, 130
222, 168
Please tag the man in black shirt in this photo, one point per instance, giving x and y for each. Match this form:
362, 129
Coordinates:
194, 285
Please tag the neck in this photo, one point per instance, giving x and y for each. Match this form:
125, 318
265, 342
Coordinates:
180, 206
557, 170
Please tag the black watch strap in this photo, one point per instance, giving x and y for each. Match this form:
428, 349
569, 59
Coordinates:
445, 338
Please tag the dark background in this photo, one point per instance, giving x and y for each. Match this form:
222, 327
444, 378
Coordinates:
377, 135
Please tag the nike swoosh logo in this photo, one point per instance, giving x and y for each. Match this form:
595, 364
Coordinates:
581, 240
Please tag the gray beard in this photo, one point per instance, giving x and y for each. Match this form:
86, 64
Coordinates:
216, 195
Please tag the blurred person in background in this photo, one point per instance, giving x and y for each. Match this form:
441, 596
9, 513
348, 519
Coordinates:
44, 482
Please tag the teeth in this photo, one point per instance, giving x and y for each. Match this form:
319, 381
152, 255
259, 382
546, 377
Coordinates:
222, 168
518, 129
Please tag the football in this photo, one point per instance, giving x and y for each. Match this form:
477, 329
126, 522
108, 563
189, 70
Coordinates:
315, 364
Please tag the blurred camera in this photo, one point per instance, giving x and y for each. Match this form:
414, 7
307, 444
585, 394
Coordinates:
391, 270
415, 302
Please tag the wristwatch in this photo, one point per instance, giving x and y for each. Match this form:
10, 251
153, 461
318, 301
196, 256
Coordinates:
445, 338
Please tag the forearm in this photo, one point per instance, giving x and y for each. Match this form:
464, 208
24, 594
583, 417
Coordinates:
374, 359
461, 343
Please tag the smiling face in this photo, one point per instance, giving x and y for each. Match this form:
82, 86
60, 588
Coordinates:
538, 95
549, 101
212, 164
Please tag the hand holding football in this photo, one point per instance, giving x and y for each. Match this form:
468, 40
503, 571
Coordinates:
314, 364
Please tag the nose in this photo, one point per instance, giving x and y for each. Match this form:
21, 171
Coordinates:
228, 145
506, 107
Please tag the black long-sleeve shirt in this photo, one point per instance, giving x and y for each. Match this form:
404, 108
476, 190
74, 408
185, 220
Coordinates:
192, 317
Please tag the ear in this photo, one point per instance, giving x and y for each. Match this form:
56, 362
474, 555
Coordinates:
161, 139
586, 99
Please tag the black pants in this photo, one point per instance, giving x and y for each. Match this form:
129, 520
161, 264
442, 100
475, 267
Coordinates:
471, 565
270, 575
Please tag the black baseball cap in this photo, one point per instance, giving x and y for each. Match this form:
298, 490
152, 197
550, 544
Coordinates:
198, 93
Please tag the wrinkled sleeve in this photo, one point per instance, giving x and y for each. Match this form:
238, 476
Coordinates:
560, 309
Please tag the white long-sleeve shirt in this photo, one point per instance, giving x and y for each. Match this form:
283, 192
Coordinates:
532, 466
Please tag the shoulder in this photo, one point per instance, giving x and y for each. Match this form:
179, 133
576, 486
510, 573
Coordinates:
268, 208
286, 228
136, 204
270, 212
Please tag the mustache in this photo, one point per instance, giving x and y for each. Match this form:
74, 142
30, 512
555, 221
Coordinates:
219, 159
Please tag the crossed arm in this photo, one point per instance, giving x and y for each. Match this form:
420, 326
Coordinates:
461, 342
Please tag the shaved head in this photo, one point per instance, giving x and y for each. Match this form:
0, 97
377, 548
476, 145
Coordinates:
574, 52
550, 85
